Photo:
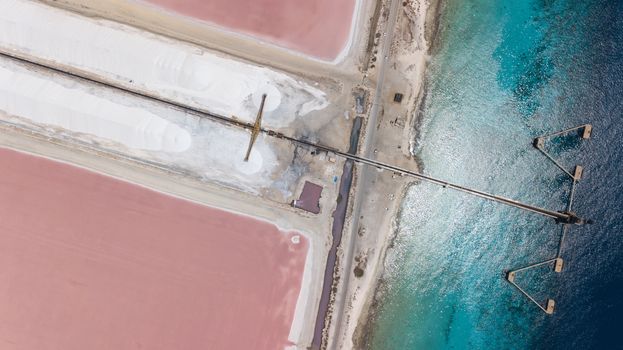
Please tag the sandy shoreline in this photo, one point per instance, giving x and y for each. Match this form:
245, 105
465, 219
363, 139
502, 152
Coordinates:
367, 311
362, 296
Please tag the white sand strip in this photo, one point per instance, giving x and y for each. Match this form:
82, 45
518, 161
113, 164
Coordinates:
302, 302
44, 101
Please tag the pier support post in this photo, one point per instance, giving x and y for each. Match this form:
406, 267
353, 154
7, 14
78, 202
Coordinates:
549, 309
538, 143
558, 265
587, 131
577, 174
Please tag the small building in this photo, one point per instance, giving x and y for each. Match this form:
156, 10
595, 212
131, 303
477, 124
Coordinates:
309, 200
398, 97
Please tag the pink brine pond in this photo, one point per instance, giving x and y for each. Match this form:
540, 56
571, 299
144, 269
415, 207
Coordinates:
90, 262
318, 28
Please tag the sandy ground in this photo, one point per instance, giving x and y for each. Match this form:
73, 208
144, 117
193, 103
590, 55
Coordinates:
159, 272
379, 206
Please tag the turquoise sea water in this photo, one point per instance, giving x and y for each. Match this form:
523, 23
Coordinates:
503, 73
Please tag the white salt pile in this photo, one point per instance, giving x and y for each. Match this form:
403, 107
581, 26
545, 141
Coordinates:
170, 69
43, 101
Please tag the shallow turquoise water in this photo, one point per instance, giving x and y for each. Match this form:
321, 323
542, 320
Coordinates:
504, 73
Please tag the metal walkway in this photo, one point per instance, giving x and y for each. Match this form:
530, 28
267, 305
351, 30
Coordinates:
557, 261
566, 216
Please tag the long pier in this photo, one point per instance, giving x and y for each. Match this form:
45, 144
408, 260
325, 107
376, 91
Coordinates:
563, 217
566, 217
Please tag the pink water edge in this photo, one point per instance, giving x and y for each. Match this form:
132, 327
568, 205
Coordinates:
90, 262
319, 28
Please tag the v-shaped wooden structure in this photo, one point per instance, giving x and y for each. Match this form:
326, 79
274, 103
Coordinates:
256, 128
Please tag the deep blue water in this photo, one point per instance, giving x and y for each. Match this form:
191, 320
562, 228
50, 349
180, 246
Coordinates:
505, 72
